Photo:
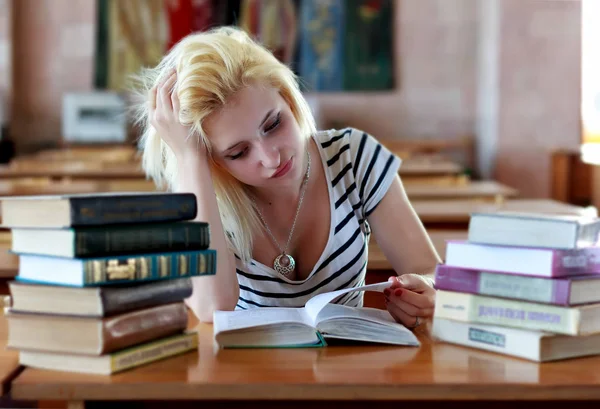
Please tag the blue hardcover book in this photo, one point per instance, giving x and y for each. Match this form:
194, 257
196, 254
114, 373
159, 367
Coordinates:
118, 269
322, 45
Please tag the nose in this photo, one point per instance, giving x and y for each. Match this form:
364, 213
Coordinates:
269, 156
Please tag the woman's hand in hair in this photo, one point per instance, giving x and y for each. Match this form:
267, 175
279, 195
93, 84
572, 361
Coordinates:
164, 117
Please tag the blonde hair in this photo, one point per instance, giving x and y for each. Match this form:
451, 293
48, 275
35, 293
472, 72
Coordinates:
211, 67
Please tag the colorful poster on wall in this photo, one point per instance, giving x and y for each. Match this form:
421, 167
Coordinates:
136, 33
368, 54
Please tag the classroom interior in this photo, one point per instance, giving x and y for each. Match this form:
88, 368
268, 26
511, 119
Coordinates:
492, 105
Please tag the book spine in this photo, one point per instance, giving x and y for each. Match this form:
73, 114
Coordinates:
504, 340
143, 354
583, 261
527, 288
497, 311
140, 326
126, 269
145, 238
122, 299
87, 211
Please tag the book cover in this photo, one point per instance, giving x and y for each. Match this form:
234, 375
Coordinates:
518, 314
91, 335
112, 240
542, 262
97, 209
97, 301
559, 291
535, 346
121, 269
119, 361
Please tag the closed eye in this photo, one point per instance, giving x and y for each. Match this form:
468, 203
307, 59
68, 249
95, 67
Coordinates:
274, 125
238, 155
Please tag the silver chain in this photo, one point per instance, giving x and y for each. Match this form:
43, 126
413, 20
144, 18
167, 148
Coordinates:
304, 184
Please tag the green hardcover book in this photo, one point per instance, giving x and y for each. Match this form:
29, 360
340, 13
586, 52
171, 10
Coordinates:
111, 240
120, 269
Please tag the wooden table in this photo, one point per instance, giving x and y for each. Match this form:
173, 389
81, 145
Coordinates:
459, 211
475, 190
275, 378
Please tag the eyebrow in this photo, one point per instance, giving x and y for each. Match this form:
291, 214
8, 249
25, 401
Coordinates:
261, 124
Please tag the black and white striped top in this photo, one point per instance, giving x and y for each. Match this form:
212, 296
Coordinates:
359, 171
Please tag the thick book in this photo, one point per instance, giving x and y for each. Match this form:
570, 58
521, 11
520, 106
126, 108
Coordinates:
110, 240
96, 301
541, 262
94, 336
318, 321
59, 211
535, 346
118, 361
533, 230
481, 309
120, 269
560, 291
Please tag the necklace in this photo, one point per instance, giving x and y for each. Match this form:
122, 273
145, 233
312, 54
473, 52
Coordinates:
284, 263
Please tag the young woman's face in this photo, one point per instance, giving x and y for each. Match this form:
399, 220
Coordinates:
256, 138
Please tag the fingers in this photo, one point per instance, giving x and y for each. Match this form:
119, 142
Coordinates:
413, 282
175, 103
414, 304
152, 99
400, 316
165, 91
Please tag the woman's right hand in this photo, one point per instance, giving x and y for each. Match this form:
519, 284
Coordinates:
164, 117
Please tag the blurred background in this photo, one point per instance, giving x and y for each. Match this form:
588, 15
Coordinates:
489, 102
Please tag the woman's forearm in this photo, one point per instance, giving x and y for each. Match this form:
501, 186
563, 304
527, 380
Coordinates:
221, 291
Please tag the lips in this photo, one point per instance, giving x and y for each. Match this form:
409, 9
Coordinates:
283, 169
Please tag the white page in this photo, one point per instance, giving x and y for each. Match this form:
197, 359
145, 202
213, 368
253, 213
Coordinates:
254, 317
316, 304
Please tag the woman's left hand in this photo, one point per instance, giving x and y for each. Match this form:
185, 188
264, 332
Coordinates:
410, 299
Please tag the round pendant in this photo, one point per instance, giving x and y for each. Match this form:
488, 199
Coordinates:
284, 264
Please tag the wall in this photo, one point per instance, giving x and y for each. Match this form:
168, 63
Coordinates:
435, 52
436, 65
53, 49
540, 89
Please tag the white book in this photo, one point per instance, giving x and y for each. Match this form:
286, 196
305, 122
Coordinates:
319, 320
533, 230
536, 346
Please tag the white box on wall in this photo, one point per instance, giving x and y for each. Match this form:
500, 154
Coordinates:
94, 117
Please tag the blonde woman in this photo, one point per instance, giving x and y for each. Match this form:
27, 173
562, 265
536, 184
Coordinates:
291, 209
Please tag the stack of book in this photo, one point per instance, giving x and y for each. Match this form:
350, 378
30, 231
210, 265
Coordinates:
102, 278
524, 285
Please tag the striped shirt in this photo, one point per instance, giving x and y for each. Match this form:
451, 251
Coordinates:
359, 171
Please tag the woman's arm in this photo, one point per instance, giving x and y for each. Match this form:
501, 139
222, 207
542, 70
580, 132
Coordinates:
221, 291
405, 243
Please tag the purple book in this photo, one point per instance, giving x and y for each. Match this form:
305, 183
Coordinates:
559, 291
540, 262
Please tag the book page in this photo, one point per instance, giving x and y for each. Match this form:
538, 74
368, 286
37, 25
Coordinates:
316, 304
363, 324
234, 320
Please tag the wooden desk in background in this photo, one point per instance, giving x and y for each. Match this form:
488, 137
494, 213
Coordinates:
475, 190
459, 211
436, 373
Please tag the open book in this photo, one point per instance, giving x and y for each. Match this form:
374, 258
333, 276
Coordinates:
311, 325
